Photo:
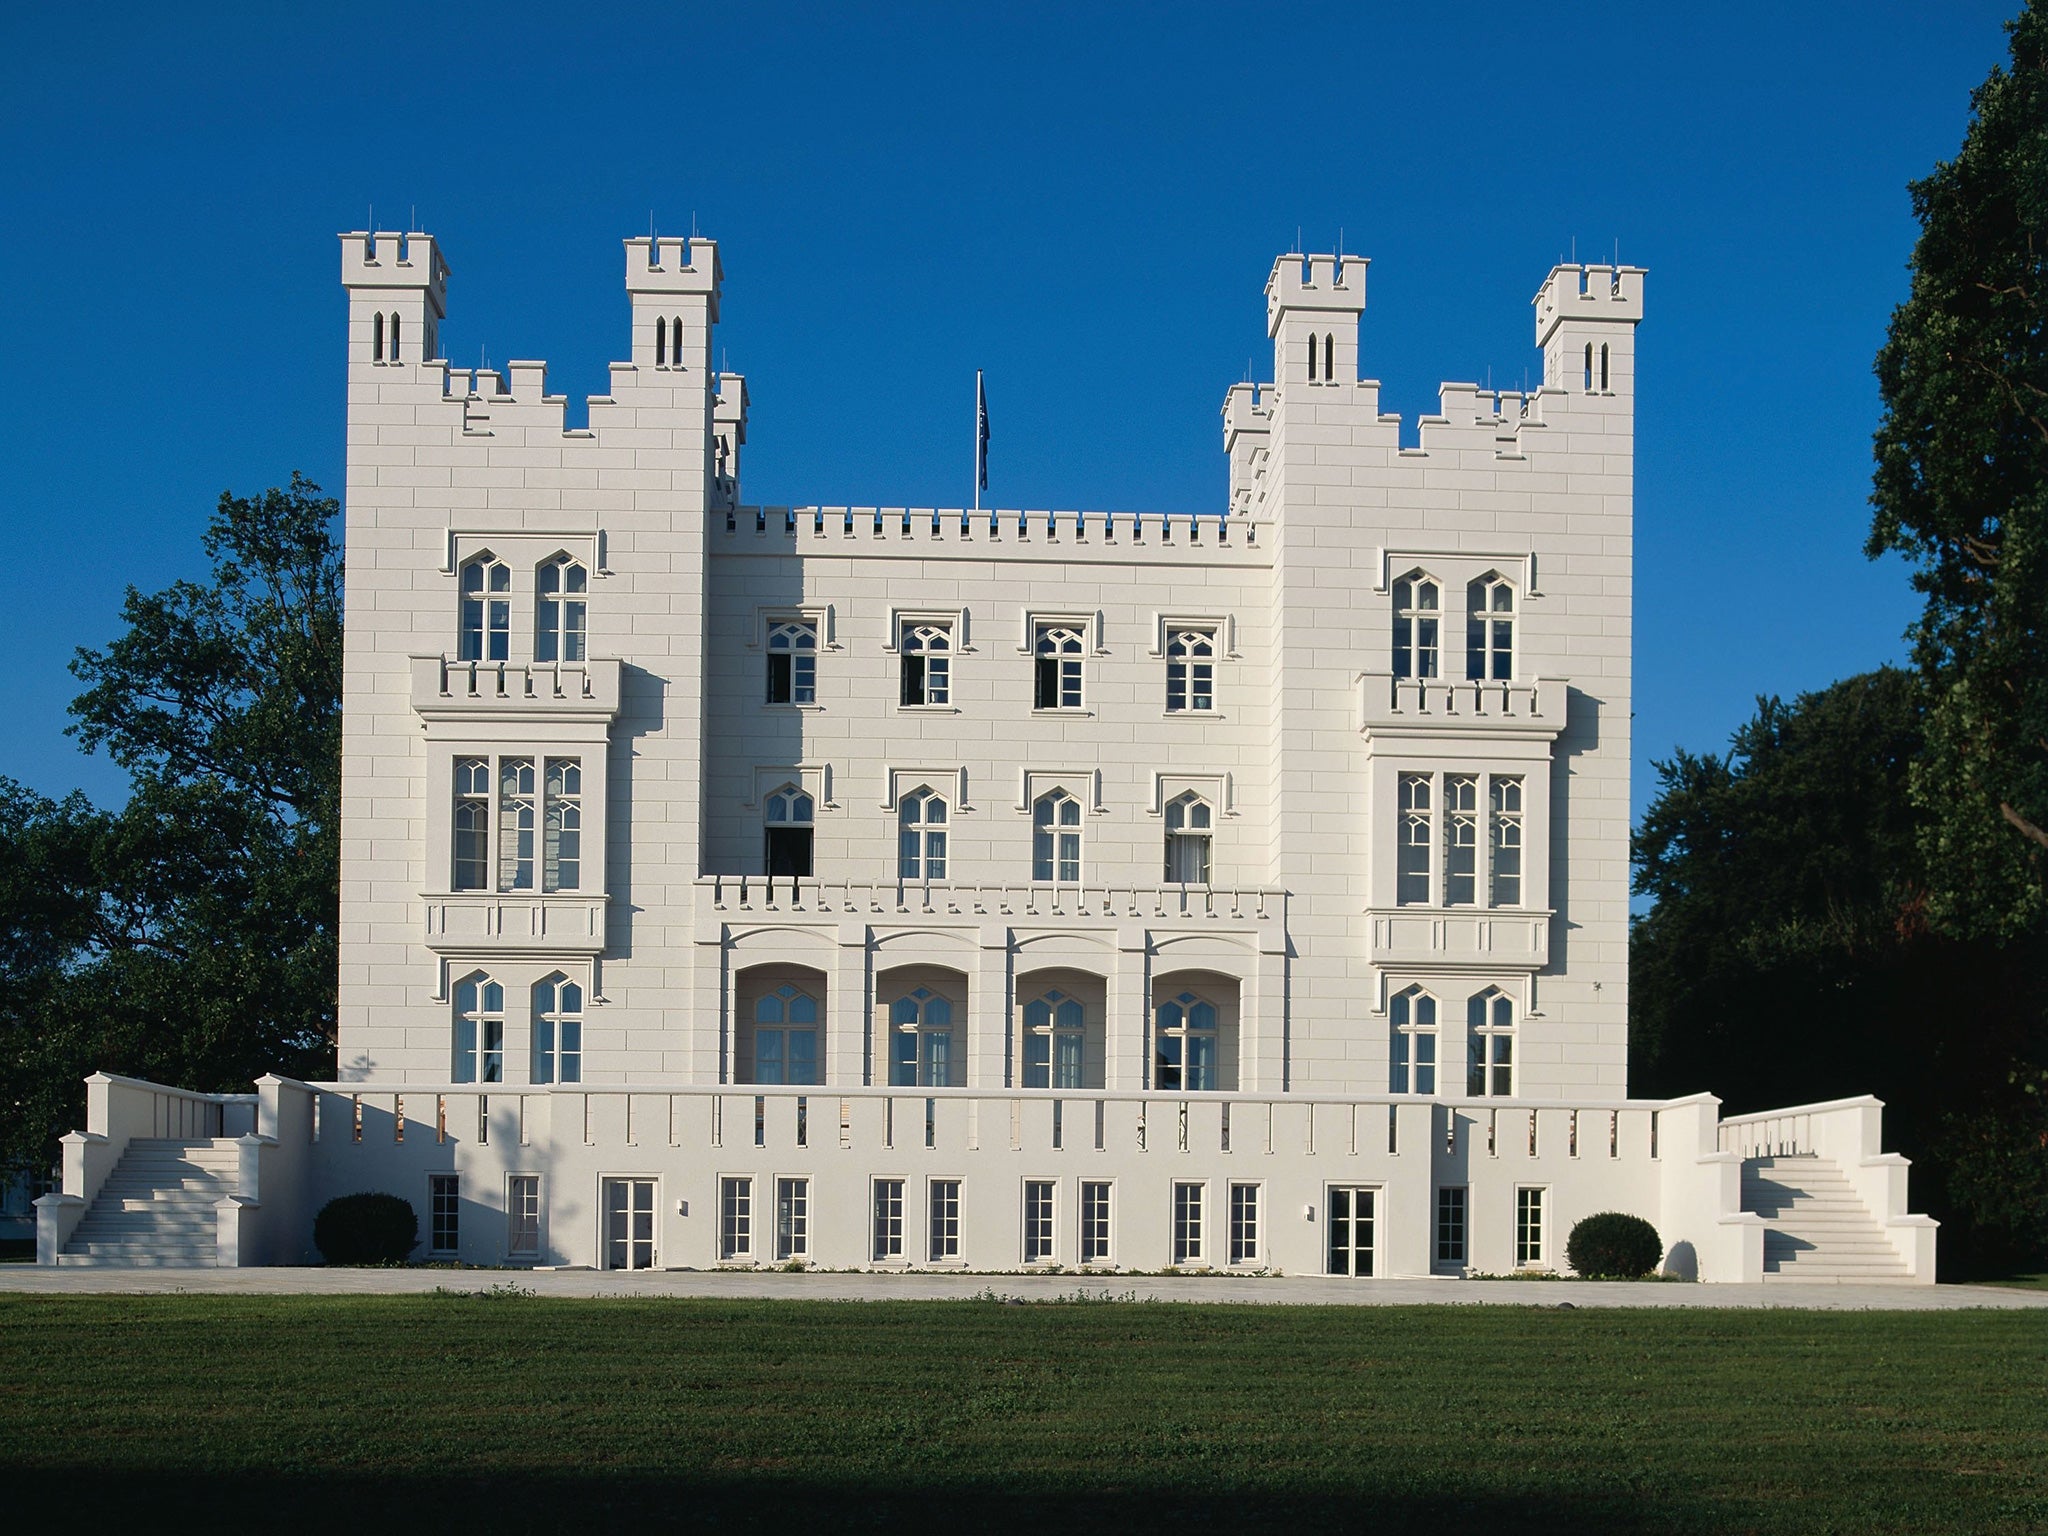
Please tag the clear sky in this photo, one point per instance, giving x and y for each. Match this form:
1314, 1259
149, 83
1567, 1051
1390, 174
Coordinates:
1082, 200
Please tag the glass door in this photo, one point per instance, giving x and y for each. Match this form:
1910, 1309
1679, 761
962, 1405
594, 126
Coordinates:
629, 1223
1351, 1231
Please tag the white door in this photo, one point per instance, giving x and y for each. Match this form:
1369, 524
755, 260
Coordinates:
1352, 1231
629, 1223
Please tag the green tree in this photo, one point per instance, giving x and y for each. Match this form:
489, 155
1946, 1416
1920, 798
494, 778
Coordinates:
1961, 489
190, 936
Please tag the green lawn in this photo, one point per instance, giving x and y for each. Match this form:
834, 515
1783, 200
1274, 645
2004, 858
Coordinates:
519, 1413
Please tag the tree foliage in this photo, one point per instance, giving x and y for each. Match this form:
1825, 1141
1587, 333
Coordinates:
1961, 489
189, 936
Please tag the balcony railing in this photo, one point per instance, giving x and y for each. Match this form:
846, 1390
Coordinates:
1490, 936
447, 689
1437, 704
783, 894
512, 923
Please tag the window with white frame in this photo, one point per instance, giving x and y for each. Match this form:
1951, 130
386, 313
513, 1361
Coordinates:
1056, 838
1461, 839
486, 613
1490, 1045
921, 1049
925, 659
1416, 840
1490, 630
792, 1220
944, 1246
557, 1030
522, 1216
788, 824
1190, 670
1038, 1221
735, 1218
1418, 625
786, 1037
520, 819
1505, 840
888, 1224
1057, 650
561, 593
444, 1213
1190, 824
1411, 1027
479, 1030
1055, 1041
1450, 1224
793, 662
1244, 1224
1528, 1227
1189, 1201
1095, 1221
921, 835
1185, 1044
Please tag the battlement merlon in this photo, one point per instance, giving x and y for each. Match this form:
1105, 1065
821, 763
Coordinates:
669, 266
1333, 284
729, 407
387, 259
1247, 412
1588, 293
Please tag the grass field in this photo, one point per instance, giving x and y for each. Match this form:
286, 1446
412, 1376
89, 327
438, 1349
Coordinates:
512, 1412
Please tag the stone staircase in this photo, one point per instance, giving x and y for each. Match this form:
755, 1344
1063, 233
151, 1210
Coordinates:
157, 1206
1818, 1228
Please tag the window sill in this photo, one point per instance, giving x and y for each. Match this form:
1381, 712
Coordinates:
927, 709
1070, 714
789, 705
1193, 714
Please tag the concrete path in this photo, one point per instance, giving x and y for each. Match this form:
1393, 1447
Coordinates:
1278, 1291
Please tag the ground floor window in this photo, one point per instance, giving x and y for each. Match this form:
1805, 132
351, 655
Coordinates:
1528, 1227
945, 1221
444, 1212
1244, 1223
735, 1218
1095, 1222
888, 1220
1188, 1200
1038, 1221
629, 1223
1450, 1224
522, 1216
792, 1219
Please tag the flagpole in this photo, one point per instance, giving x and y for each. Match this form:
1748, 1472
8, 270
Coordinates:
977, 439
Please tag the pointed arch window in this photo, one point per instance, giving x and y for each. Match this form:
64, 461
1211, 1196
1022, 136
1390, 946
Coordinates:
1057, 651
377, 337
1184, 1044
479, 1030
1056, 838
793, 662
1490, 630
394, 338
1418, 625
562, 599
789, 818
927, 662
1329, 356
1191, 670
921, 835
786, 1037
1411, 1021
1490, 1045
1415, 840
557, 1030
1055, 1042
921, 1041
661, 341
1190, 824
486, 610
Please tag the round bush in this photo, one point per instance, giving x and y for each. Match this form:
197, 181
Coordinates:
366, 1229
1614, 1246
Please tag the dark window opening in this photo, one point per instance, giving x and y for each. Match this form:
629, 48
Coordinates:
789, 851
1047, 694
913, 680
779, 691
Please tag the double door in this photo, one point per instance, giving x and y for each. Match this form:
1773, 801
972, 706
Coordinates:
1353, 1228
629, 1223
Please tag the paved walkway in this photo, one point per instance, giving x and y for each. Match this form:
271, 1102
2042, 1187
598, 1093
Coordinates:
1283, 1291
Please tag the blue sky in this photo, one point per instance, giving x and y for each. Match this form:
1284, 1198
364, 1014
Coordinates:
1084, 201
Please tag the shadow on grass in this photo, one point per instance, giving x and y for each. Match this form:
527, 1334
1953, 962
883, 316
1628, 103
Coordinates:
322, 1501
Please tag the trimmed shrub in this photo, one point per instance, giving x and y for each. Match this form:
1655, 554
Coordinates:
366, 1229
1614, 1246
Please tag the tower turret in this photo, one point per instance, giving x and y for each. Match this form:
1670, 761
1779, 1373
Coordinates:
729, 435
1586, 325
1312, 309
397, 297
673, 285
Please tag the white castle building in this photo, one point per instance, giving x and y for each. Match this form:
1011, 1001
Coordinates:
726, 884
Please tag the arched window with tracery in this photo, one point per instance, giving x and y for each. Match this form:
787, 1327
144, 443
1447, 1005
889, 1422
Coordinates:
486, 619
562, 598
1490, 1045
786, 1037
557, 1030
1185, 1047
921, 1041
1411, 1021
788, 817
1490, 630
921, 835
1055, 1041
1418, 625
1056, 838
479, 1030
1189, 826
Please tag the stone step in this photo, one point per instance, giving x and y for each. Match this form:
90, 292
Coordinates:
138, 1259
136, 1224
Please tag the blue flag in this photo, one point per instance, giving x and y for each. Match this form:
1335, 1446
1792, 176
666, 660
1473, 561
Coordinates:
980, 432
